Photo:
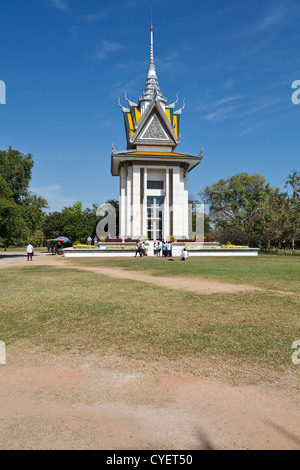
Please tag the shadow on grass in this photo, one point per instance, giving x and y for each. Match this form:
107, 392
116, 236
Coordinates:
11, 255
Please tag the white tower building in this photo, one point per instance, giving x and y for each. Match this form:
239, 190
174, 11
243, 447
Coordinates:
153, 176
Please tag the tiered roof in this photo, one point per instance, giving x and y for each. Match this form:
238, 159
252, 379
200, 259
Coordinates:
152, 121
152, 128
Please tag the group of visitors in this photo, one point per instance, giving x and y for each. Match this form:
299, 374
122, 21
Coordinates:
160, 249
89, 240
163, 249
140, 249
54, 247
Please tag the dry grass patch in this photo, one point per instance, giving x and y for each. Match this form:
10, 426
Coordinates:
65, 310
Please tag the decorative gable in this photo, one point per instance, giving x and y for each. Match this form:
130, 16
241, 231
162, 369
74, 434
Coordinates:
154, 130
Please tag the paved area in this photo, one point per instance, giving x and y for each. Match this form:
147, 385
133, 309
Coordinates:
17, 257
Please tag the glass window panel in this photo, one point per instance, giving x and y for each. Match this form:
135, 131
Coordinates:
155, 184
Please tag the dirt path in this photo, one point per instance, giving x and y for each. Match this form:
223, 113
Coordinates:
116, 403
190, 284
113, 405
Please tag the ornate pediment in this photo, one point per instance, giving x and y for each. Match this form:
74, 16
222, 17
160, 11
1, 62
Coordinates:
154, 130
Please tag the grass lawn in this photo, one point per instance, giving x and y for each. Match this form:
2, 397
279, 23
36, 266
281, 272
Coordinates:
68, 310
270, 272
22, 249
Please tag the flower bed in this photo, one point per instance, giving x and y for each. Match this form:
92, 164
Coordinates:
83, 247
120, 247
203, 247
191, 240
234, 246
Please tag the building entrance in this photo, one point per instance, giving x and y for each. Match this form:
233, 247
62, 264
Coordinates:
155, 207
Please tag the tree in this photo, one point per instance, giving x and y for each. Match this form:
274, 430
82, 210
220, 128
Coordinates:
235, 207
293, 182
20, 210
73, 222
15, 169
12, 225
274, 219
193, 201
53, 224
33, 213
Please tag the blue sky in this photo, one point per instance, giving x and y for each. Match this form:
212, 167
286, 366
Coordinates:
64, 63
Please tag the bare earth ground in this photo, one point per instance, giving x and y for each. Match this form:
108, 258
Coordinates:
112, 403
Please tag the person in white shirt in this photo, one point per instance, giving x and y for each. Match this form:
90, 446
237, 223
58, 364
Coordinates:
184, 254
29, 252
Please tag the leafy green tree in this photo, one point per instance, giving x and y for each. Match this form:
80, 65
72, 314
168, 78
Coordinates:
235, 207
73, 222
274, 213
33, 213
21, 212
12, 225
53, 224
15, 169
207, 228
246, 210
293, 182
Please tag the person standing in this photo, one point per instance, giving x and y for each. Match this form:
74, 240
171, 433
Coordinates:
158, 249
137, 249
89, 240
168, 249
155, 248
29, 252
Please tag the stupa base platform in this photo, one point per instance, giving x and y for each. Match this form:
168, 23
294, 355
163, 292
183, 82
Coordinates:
128, 250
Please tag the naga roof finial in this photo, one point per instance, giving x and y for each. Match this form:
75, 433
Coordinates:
179, 110
131, 103
175, 102
125, 110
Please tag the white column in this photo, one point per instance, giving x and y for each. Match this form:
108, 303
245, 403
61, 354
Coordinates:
178, 202
166, 232
122, 216
186, 206
136, 195
129, 202
145, 221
